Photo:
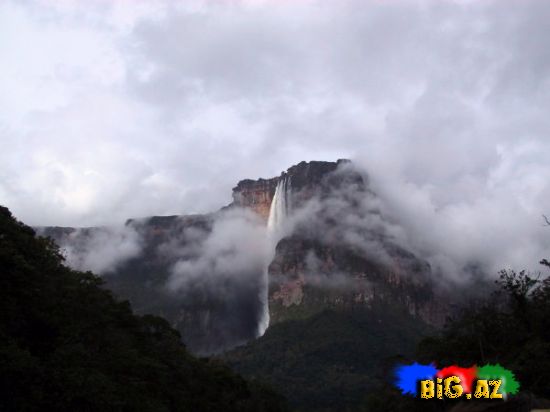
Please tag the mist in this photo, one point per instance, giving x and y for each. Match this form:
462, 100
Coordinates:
101, 250
227, 264
219, 277
119, 110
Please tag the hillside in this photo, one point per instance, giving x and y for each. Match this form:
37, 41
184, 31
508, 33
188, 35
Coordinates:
331, 360
67, 344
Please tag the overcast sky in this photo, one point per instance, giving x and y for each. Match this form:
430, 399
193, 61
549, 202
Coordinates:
110, 110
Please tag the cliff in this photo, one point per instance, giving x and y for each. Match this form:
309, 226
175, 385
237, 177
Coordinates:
305, 176
335, 252
335, 257
255, 195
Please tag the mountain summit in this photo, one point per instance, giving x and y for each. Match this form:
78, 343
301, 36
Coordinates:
288, 247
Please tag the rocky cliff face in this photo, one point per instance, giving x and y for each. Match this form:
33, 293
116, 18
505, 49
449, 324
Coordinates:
255, 195
308, 277
338, 254
335, 252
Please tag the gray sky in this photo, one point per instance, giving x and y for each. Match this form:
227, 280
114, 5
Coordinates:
112, 110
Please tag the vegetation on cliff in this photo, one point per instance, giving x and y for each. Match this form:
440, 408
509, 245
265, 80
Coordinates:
331, 360
67, 344
345, 361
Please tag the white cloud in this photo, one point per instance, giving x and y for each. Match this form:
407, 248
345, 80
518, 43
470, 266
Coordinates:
123, 109
235, 251
100, 250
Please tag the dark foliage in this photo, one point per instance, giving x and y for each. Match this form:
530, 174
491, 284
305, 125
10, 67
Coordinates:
67, 345
329, 361
510, 327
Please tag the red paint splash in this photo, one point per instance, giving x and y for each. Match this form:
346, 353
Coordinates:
466, 375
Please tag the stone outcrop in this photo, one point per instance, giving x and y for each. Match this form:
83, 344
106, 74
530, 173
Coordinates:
345, 279
255, 194
305, 176
315, 268
337, 256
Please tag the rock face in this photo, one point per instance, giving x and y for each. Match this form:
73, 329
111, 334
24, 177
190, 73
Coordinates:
308, 277
305, 176
256, 195
338, 254
334, 252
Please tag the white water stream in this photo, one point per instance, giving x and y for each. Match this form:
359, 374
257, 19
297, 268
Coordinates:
278, 213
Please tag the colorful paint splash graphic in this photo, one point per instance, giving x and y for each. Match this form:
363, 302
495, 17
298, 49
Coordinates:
407, 377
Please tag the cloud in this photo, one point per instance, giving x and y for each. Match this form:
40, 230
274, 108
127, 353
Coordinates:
132, 109
314, 275
220, 278
346, 216
235, 250
487, 217
100, 250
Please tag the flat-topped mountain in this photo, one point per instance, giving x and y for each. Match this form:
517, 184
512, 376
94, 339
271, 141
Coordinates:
288, 247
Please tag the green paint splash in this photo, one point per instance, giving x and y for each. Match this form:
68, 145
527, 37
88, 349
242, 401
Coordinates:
509, 383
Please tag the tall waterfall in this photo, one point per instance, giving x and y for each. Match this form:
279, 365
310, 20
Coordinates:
280, 206
278, 212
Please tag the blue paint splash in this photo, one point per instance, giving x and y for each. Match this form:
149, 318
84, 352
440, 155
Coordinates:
407, 376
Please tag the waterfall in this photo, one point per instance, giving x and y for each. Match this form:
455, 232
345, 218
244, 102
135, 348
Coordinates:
280, 206
278, 212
